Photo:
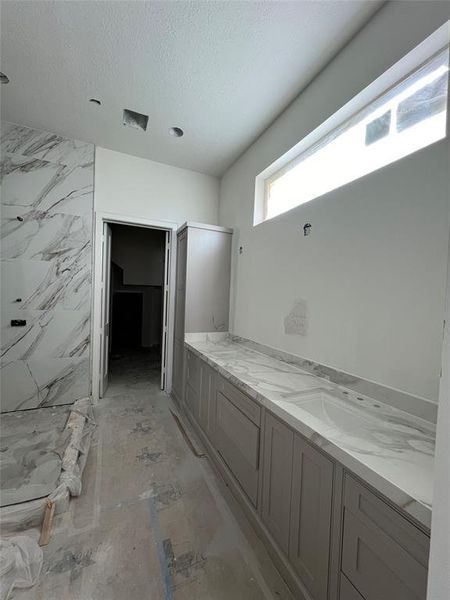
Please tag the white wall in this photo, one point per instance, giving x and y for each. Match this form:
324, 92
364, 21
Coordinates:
135, 186
373, 269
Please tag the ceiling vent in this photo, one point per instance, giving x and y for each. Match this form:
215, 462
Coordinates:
135, 119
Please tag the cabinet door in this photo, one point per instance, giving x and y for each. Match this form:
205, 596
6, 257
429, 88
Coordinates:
208, 280
347, 591
177, 378
193, 371
383, 555
237, 440
277, 479
192, 401
309, 545
207, 400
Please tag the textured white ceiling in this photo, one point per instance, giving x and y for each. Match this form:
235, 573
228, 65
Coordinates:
221, 70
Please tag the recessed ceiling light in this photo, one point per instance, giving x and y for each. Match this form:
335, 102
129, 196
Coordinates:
176, 132
4, 78
95, 101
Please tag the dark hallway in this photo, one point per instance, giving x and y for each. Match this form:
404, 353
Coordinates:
126, 321
137, 281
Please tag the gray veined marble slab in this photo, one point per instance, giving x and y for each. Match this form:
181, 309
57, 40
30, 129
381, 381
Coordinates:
18, 388
51, 147
32, 446
46, 249
43, 236
23, 179
63, 283
61, 380
388, 448
39, 382
46, 187
53, 334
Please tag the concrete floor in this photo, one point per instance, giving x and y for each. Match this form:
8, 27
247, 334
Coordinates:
154, 522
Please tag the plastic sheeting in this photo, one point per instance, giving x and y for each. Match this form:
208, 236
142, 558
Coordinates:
20, 564
30, 514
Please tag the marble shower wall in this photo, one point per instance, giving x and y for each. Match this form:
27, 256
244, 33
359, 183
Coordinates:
47, 199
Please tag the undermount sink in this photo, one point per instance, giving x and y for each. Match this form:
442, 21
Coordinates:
388, 429
332, 410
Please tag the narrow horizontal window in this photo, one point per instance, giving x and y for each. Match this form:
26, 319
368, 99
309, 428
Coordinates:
408, 116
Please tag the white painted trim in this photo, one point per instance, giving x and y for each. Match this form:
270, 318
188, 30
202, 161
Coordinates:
194, 225
101, 217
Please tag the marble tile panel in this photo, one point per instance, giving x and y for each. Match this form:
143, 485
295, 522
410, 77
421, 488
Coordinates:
47, 146
42, 382
46, 251
64, 283
42, 236
55, 334
60, 380
24, 179
44, 186
19, 390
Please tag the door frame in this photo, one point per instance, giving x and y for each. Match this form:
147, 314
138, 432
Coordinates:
106, 309
101, 217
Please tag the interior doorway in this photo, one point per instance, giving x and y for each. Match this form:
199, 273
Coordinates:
132, 302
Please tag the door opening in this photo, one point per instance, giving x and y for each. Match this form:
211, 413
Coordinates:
134, 303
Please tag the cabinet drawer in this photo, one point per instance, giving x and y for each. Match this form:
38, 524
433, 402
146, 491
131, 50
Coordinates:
374, 512
245, 404
384, 555
347, 591
237, 440
193, 371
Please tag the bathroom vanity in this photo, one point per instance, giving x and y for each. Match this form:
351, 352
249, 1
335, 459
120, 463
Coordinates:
337, 484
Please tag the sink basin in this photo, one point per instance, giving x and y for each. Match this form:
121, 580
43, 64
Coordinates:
376, 426
332, 410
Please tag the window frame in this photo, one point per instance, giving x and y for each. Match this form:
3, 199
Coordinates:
349, 114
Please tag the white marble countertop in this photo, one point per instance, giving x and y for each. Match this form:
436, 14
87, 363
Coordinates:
388, 448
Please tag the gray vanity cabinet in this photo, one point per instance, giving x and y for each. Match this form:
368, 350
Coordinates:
335, 537
277, 479
296, 503
384, 556
202, 288
237, 436
311, 509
